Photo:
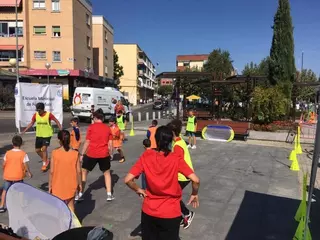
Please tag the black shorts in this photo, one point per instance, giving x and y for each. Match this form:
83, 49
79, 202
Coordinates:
89, 163
41, 142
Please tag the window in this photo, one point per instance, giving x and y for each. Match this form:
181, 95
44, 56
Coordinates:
105, 35
186, 64
106, 53
88, 62
8, 29
39, 30
56, 56
56, 31
40, 54
88, 19
106, 70
55, 5
88, 42
6, 55
39, 4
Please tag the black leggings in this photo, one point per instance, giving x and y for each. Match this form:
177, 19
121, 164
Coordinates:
185, 211
154, 228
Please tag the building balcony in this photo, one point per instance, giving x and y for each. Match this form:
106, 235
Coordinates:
142, 62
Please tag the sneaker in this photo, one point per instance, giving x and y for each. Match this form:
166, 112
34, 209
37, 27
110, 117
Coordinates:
45, 166
110, 198
3, 209
188, 219
189, 146
134, 235
79, 197
194, 147
182, 222
122, 160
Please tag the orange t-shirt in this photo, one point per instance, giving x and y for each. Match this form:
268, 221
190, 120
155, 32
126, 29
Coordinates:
152, 138
14, 169
116, 136
64, 176
73, 141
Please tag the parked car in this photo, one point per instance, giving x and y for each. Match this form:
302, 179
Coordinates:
158, 105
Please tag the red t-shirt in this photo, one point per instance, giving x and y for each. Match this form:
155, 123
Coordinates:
51, 117
99, 135
163, 190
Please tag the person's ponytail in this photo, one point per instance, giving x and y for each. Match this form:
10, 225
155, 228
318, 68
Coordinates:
64, 138
164, 138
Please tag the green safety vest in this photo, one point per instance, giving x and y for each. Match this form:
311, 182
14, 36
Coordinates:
187, 158
120, 123
43, 126
190, 124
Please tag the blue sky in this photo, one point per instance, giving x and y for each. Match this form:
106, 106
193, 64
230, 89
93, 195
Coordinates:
166, 28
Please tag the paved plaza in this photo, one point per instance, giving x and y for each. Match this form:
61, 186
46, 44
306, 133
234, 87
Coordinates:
247, 192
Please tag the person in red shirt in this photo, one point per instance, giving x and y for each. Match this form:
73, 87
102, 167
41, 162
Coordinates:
119, 107
96, 149
161, 212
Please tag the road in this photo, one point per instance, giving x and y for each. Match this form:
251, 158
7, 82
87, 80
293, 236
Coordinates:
7, 121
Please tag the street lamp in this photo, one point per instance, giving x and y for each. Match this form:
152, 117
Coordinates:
48, 66
13, 63
17, 43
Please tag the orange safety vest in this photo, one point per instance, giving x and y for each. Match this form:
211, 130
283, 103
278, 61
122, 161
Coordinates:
73, 141
152, 138
116, 136
14, 169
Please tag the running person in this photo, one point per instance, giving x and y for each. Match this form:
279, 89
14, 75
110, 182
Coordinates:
65, 171
180, 147
161, 212
75, 136
152, 132
121, 122
44, 132
96, 150
116, 138
191, 129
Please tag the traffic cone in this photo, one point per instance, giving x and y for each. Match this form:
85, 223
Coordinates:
293, 154
131, 131
301, 231
302, 210
299, 149
295, 165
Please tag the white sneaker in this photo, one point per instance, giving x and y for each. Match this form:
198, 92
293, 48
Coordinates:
110, 198
189, 146
79, 196
194, 147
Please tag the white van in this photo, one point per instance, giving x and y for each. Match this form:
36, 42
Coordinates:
86, 98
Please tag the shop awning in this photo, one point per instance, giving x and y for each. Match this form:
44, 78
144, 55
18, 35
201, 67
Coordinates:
9, 3
10, 47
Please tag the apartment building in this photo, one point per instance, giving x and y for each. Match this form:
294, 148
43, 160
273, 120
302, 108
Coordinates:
55, 39
191, 61
138, 81
102, 33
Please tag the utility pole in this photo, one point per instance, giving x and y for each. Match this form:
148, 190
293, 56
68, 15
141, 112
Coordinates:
17, 43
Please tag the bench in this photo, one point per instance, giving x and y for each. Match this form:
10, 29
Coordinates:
201, 114
241, 129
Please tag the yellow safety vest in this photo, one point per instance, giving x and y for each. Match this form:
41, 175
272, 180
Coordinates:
187, 158
120, 123
190, 124
43, 126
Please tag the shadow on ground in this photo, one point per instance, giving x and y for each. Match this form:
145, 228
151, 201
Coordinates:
263, 216
86, 207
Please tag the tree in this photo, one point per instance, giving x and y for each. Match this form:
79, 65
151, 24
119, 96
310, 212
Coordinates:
253, 69
219, 62
165, 90
282, 64
117, 69
306, 93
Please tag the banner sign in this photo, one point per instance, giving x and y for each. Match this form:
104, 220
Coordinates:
27, 95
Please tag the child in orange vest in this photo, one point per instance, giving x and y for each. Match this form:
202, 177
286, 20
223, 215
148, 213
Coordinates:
151, 133
117, 138
65, 171
75, 137
15, 166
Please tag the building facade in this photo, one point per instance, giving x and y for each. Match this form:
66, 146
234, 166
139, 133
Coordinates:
55, 40
102, 32
166, 81
138, 81
184, 62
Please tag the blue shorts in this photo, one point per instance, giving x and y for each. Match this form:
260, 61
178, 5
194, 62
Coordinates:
190, 134
8, 184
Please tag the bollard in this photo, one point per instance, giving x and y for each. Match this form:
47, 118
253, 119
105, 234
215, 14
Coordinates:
139, 116
153, 115
147, 116
159, 115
